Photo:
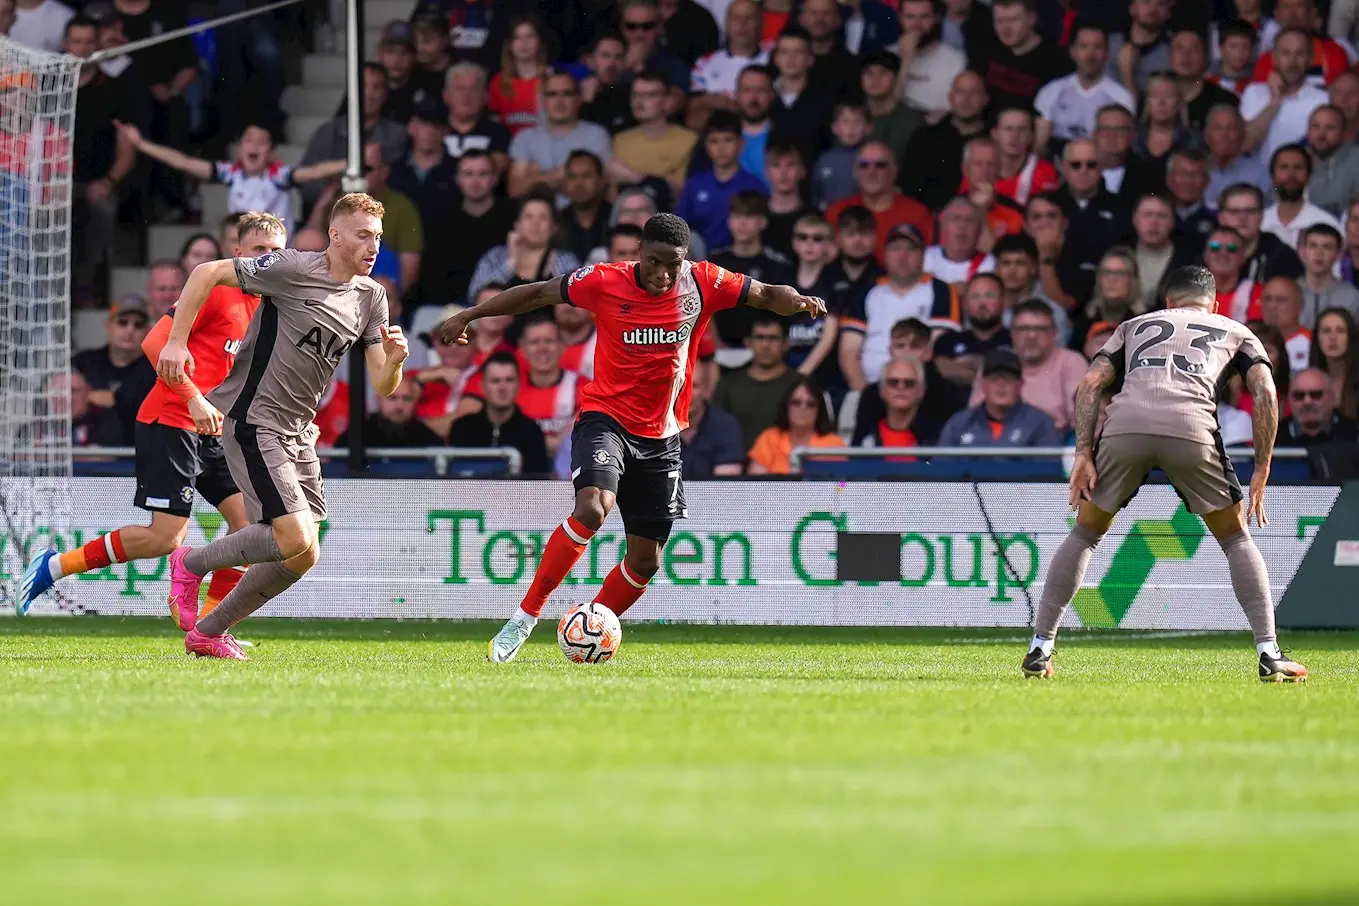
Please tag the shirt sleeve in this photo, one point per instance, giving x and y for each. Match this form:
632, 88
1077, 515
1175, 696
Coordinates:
1253, 100
1250, 352
583, 286
1046, 98
377, 318
221, 172
855, 314
268, 274
721, 288
282, 177
763, 451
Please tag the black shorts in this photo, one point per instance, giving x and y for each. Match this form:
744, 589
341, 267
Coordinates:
644, 472
174, 462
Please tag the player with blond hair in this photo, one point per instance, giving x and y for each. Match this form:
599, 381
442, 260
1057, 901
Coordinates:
316, 305
179, 450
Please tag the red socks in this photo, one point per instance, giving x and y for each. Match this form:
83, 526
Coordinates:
96, 554
223, 581
563, 549
621, 589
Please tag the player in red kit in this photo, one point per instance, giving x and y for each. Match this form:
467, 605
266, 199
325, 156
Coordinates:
178, 451
625, 447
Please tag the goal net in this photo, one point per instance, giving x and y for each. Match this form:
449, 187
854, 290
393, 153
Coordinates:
37, 120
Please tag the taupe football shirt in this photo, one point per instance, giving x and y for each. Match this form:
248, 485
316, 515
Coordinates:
306, 321
1173, 365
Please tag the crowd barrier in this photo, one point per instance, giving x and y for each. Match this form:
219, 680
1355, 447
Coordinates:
750, 552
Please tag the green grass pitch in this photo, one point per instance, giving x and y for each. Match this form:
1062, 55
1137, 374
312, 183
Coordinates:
364, 763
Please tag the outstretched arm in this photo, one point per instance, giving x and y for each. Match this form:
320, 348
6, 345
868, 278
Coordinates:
783, 300
324, 170
194, 166
514, 301
1088, 394
1265, 421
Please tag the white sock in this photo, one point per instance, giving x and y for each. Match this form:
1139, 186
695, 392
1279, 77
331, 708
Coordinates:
525, 617
1045, 644
54, 567
1270, 648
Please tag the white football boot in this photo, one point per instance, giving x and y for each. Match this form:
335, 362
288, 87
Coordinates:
510, 638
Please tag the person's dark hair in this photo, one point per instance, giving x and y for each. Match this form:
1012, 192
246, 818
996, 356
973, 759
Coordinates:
758, 69
503, 357
1300, 32
78, 21
1029, 5
378, 68
1053, 198
1290, 149
766, 319
534, 318
1114, 108
1324, 230
853, 103
1035, 307
911, 328
824, 425
494, 287
723, 121
1223, 228
540, 194
653, 76
1026, 112
796, 31
856, 217
196, 237
986, 275
1155, 197
582, 154
1011, 243
748, 203
1236, 28
1348, 404
668, 229
1087, 25
607, 35
1193, 155
1241, 188
474, 154
779, 148
624, 229
1272, 336
1192, 281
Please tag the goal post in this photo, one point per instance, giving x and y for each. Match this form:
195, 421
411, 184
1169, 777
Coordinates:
37, 123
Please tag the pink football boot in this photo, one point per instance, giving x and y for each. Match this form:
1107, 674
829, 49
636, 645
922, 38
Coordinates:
184, 586
223, 646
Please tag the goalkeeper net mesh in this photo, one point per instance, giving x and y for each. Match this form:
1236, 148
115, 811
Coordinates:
37, 120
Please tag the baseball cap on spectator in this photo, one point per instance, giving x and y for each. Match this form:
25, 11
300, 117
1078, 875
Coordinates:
429, 14
884, 58
102, 12
431, 110
131, 304
1002, 361
906, 231
397, 32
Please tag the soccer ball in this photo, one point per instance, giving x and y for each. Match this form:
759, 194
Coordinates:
589, 634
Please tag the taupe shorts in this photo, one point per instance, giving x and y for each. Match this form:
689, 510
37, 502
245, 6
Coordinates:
276, 473
1200, 473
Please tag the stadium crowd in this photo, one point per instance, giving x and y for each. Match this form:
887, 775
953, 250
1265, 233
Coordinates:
980, 191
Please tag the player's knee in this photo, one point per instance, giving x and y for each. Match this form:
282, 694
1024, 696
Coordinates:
292, 540
644, 563
591, 510
165, 538
304, 561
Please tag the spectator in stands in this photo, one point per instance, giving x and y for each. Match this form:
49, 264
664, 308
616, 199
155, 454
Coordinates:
527, 254
394, 424
833, 173
1325, 58
39, 24
801, 420
812, 341
943, 398
1099, 334
786, 172
585, 218
1050, 373
936, 151
164, 282
707, 194
1096, 218
1157, 248
801, 110
1276, 111
1163, 128
876, 174
1189, 65
101, 161
958, 353
747, 220
752, 394
500, 422
1067, 106
1343, 22
403, 235
1281, 308
908, 292
958, 256
1335, 166
396, 53
228, 236
608, 99
1119, 295
854, 271
452, 373
1017, 267
1186, 180
886, 117
1019, 61
576, 327
1126, 175
755, 100
1273, 343
106, 368
1320, 250
968, 26
1224, 134
633, 207
432, 49
625, 243
463, 235
1234, 54
1315, 420
1063, 273
713, 80
928, 65
1021, 174
330, 141
1344, 96
1145, 49
538, 154
655, 146
470, 126
641, 20
711, 447
981, 172
1243, 209
689, 31
998, 417
835, 68
515, 90
1224, 255
91, 425
904, 422
1290, 169
549, 393
428, 175
1336, 352
198, 249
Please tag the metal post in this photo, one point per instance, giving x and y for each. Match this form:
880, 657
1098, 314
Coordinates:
354, 182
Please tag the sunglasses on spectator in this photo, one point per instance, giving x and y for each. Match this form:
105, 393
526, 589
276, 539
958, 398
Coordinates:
900, 383
801, 404
874, 164
812, 237
1314, 395
1082, 164
648, 25
1216, 246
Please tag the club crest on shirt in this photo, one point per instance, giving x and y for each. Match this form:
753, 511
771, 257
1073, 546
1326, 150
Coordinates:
690, 304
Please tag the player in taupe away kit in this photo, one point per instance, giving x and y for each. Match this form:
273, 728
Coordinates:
314, 307
1165, 369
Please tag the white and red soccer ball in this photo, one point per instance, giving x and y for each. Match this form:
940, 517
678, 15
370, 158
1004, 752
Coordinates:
589, 634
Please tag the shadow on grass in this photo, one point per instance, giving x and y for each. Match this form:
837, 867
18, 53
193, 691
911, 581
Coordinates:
651, 633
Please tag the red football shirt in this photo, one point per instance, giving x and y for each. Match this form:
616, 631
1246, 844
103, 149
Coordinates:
553, 407
214, 340
647, 345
